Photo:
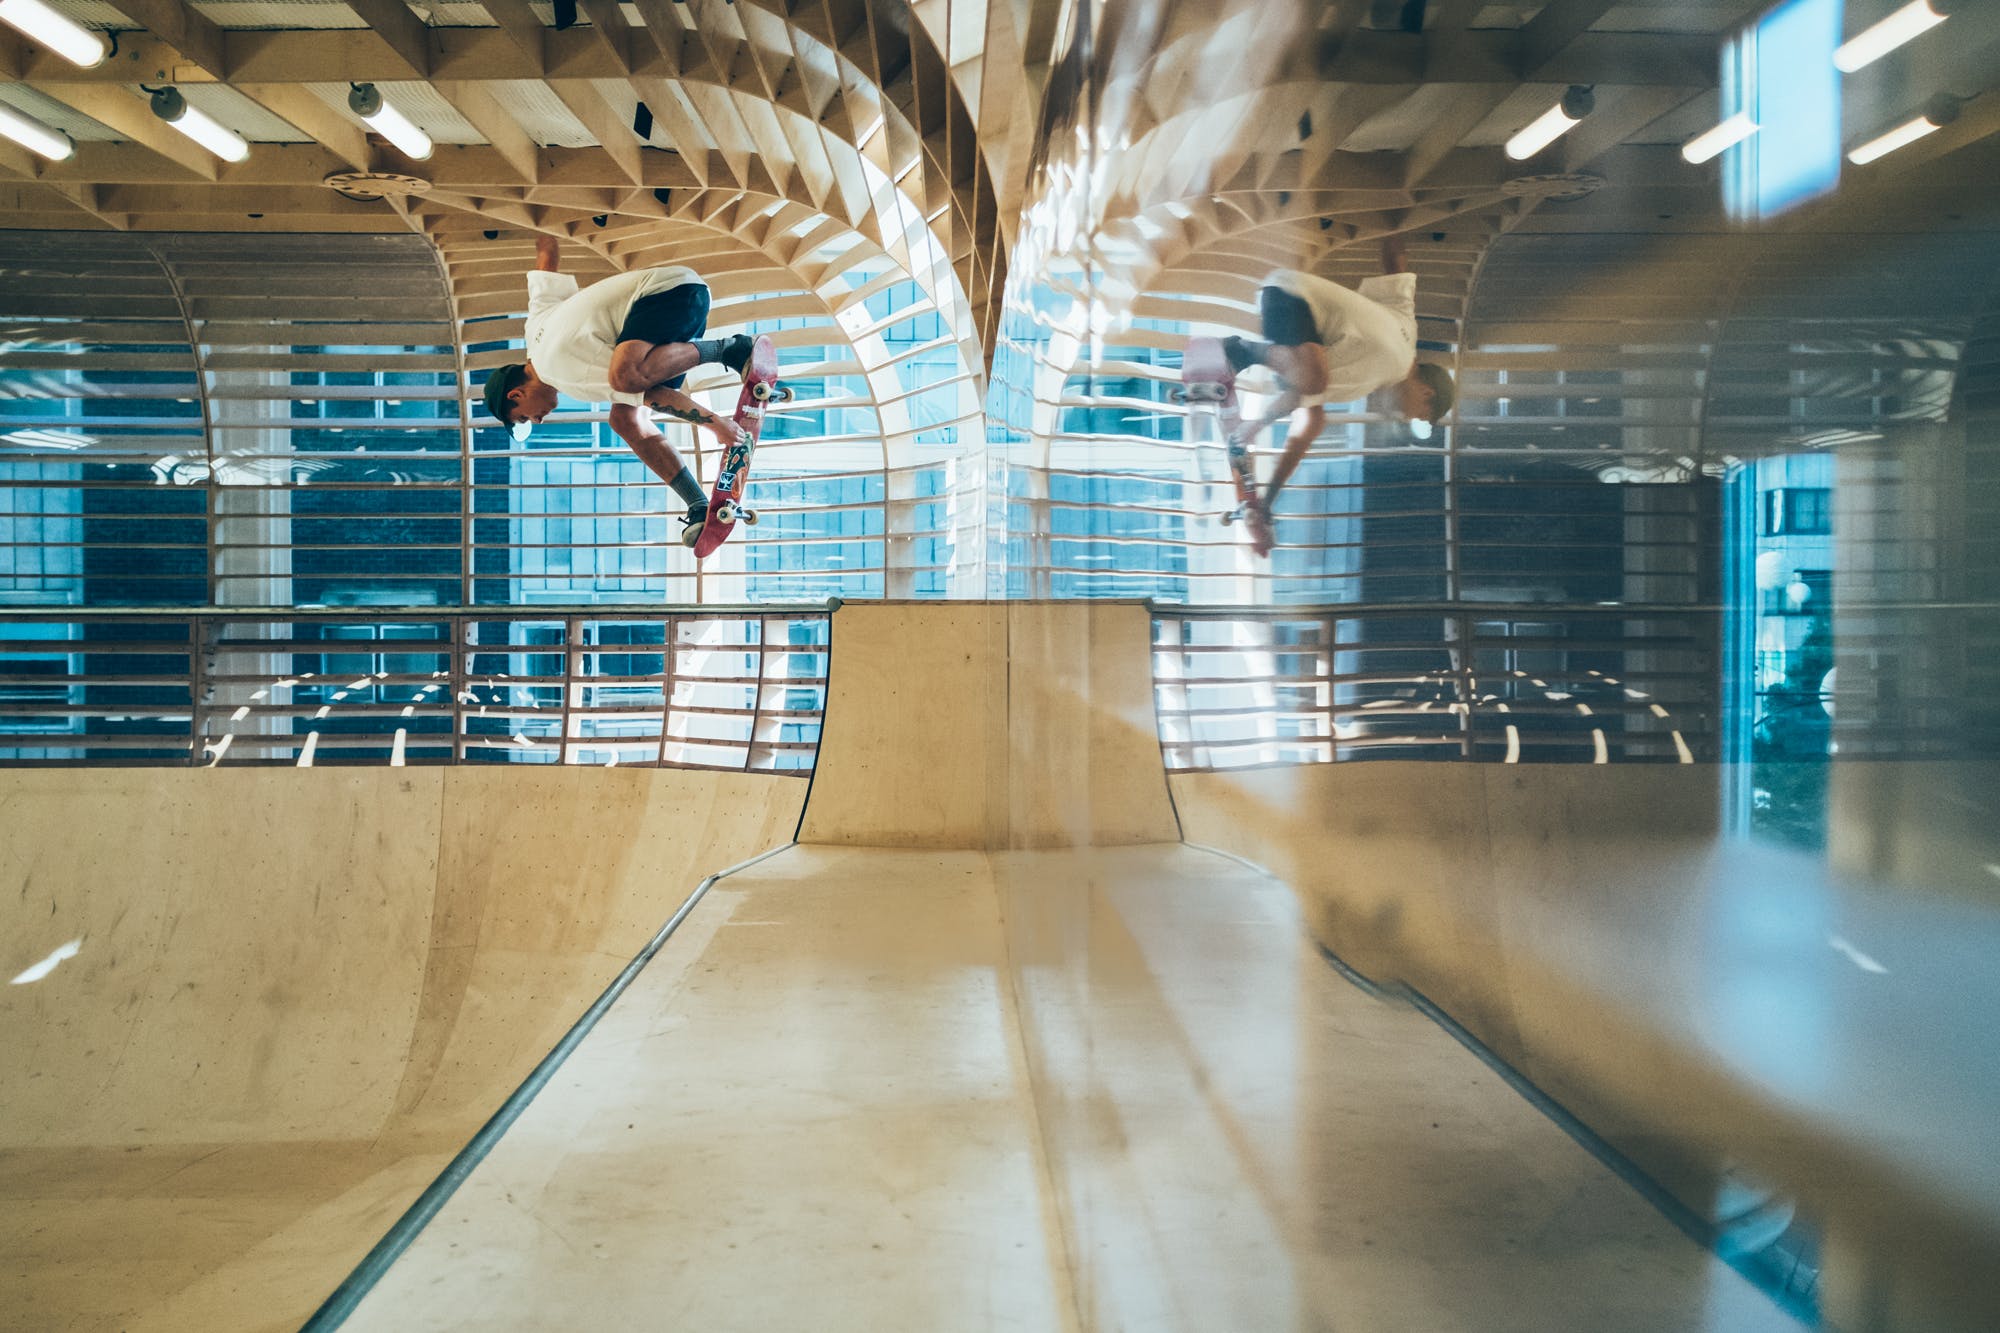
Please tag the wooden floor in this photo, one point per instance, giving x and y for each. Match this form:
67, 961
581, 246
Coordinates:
1108, 1089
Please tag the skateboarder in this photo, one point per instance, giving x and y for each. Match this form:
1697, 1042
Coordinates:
628, 340
1329, 343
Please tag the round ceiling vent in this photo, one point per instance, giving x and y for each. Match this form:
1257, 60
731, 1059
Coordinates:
377, 184
1555, 185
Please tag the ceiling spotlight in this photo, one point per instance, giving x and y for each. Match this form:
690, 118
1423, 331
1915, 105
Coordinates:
1870, 45
366, 101
60, 33
1939, 112
1712, 141
1552, 124
34, 136
170, 106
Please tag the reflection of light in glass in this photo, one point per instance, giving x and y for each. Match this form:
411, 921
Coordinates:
1708, 143
396, 750
49, 439
1681, 748
1902, 136
1841, 945
306, 754
1599, 752
1872, 43
63, 953
1513, 746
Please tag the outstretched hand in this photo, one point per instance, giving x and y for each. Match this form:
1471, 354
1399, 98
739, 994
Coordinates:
1392, 255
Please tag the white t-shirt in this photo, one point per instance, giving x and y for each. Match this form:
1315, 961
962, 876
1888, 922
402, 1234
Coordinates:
572, 332
1370, 333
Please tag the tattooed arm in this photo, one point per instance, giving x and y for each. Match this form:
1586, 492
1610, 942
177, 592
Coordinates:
678, 405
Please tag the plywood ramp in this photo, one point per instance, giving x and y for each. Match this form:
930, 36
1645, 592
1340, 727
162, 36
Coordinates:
990, 725
293, 996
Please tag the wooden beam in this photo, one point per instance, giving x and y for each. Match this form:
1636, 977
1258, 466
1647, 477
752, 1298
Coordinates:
483, 111
1468, 107
308, 112
523, 29
1630, 111
399, 26
1549, 32
609, 28
613, 136
197, 37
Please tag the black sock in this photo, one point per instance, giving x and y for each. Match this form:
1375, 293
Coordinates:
687, 487
708, 349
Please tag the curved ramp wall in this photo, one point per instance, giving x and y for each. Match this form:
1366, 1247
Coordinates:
990, 725
293, 996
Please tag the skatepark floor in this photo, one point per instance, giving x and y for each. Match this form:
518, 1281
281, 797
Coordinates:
1104, 1088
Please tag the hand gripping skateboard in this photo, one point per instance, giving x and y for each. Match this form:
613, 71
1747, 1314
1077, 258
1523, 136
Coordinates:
725, 502
1208, 385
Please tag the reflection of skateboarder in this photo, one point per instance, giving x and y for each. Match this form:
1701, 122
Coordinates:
630, 341
1330, 343
1208, 387
725, 506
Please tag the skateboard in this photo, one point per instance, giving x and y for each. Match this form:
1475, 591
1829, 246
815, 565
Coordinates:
1208, 385
725, 502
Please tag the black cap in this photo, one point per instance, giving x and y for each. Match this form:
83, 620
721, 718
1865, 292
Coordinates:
498, 384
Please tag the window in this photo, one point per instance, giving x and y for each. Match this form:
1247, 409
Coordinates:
1798, 511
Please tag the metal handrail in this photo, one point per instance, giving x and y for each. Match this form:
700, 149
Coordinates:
195, 696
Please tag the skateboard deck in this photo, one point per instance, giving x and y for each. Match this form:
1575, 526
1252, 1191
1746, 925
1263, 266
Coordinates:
1208, 387
725, 501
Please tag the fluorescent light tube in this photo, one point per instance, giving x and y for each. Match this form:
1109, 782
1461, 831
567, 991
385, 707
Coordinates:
367, 102
196, 124
35, 136
61, 34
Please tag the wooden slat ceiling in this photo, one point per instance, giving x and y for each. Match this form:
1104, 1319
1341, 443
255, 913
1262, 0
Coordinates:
1238, 134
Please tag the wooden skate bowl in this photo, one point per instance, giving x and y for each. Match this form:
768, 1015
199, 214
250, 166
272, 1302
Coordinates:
298, 994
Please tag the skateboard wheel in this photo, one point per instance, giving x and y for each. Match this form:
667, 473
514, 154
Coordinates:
725, 513
761, 392
1228, 518
748, 516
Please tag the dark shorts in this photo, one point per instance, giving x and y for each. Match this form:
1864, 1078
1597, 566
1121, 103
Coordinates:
1288, 321
677, 315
